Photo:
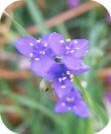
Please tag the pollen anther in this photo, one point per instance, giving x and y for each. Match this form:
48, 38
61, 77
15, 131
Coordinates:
37, 59
63, 104
68, 39
45, 44
63, 86
64, 78
42, 52
75, 41
38, 40
69, 99
67, 47
60, 79
68, 72
31, 54
31, 44
61, 41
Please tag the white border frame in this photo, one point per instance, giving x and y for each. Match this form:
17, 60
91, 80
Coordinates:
3, 5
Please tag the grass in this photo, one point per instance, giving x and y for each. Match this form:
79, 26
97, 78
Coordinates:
36, 107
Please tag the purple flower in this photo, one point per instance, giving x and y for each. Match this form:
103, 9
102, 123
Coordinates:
69, 52
61, 79
56, 60
72, 102
51, 48
39, 53
73, 3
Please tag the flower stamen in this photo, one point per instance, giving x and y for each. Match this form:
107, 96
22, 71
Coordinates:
63, 86
75, 42
31, 55
38, 40
31, 44
63, 104
68, 39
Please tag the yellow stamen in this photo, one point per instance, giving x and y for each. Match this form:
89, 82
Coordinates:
63, 86
68, 39
38, 40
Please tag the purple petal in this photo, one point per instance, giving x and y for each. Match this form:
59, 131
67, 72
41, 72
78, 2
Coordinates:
62, 89
56, 71
81, 109
51, 73
75, 93
42, 66
25, 45
73, 3
45, 38
56, 42
74, 64
79, 47
61, 107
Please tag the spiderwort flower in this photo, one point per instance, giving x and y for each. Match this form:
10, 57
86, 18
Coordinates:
61, 78
39, 53
56, 60
69, 52
43, 53
72, 102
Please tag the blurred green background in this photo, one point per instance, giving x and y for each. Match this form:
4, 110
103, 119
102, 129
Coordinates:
26, 105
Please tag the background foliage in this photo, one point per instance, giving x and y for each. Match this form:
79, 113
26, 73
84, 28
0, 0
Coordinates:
27, 108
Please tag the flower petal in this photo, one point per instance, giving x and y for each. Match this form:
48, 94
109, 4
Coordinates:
56, 42
62, 89
81, 109
42, 66
51, 73
75, 64
79, 46
75, 93
60, 107
25, 45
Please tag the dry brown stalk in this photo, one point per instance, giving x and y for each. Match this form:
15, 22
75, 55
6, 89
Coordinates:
65, 16
6, 56
15, 5
8, 74
60, 18
42, 4
104, 73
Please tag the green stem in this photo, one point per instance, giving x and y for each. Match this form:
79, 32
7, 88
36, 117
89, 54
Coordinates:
37, 106
37, 16
18, 27
88, 127
65, 128
92, 105
33, 104
62, 29
5, 108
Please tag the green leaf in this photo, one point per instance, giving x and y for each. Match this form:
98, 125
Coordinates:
18, 27
37, 16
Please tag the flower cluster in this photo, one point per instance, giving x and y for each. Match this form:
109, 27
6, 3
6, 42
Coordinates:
57, 60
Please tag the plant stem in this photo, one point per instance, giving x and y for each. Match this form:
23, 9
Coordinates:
92, 105
37, 16
62, 29
18, 27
